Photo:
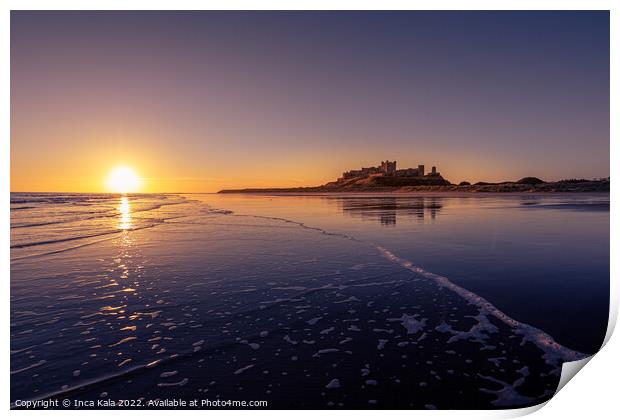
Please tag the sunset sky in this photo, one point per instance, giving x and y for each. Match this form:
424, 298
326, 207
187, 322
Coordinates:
200, 101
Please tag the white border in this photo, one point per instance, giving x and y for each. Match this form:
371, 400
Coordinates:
593, 394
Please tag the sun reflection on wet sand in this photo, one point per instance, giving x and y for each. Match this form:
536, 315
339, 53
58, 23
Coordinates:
125, 213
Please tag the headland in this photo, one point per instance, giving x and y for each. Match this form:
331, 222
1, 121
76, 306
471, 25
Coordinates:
387, 178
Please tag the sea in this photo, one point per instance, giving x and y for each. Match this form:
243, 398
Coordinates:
318, 301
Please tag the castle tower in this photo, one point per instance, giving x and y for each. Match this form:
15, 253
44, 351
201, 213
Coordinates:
388, 168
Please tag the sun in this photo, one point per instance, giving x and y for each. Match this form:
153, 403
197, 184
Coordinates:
123, 179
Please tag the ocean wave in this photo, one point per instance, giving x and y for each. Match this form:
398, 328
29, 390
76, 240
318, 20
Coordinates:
554, 351
93, 215
57, 223
74, 238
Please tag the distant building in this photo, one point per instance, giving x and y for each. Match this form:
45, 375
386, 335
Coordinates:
408, 172
387, 168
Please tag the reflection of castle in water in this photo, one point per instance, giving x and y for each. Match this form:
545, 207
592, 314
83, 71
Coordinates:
386, 209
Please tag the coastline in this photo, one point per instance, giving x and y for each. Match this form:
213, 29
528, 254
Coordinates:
499, 188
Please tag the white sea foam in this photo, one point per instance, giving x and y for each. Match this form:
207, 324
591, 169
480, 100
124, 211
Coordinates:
314, 320
182, 382
553, 351
334, 383
34, 365
324, 351
410, 323
243, 369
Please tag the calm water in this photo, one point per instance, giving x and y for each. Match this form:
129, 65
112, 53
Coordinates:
543, 259
369, 301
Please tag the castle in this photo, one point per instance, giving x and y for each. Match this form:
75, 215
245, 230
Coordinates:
388, 168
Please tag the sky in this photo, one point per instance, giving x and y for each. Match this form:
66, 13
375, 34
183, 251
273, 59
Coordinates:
201, 101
